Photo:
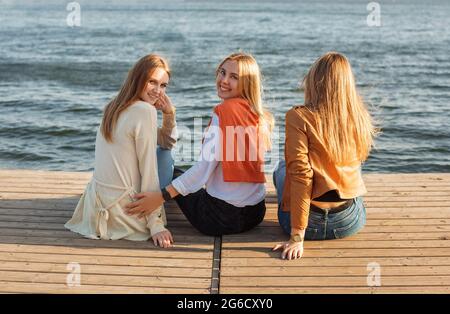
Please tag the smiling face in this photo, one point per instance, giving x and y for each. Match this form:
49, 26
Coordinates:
156, 86
227, 80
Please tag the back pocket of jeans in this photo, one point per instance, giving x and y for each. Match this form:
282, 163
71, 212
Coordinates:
311, 233
347, 230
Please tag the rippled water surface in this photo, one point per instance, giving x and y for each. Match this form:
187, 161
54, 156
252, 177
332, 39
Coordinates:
55, 79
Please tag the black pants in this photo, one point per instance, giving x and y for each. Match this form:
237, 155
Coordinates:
214, 217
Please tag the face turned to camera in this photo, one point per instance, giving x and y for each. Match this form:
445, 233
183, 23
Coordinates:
227, 80
156, 86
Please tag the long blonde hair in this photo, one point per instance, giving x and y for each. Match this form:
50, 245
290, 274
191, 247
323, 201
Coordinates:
130, 91
250, 88
343, 121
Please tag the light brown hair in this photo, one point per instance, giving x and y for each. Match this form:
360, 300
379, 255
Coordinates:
250, 89
130, 91
344, 123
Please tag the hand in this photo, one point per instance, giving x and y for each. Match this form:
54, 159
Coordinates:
165, 104
163, 239
146, 203
291, 250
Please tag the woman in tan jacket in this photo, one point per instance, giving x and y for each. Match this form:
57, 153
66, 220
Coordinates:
319, 186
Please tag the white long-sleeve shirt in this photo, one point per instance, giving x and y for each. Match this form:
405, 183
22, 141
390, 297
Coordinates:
123, 167
208, 171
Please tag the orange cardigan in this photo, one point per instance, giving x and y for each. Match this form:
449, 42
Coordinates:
309, 171
233, 114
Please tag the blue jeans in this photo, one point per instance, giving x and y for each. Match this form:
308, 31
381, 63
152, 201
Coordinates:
165, 166
321, 226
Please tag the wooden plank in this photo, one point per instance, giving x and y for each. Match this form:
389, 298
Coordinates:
271, 217
52, 267
33, 226
353, 245
35, 205
275, 233
22, 287
35, 248
267, 253
191, 250
22, 173
332, 271
340, 290
344, 261
344, 281
112, 280
37, 238
395, 236
154, 261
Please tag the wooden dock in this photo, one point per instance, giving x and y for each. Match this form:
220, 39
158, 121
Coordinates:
404, 247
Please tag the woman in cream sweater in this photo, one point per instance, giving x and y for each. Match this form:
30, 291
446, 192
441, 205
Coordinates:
132, 155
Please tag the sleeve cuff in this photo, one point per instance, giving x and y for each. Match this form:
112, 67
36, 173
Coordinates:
179, 186
156, 222
169, 121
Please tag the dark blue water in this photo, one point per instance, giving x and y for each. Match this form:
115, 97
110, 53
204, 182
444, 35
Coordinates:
55, 79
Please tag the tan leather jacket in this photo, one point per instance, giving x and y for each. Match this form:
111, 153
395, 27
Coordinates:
309, 171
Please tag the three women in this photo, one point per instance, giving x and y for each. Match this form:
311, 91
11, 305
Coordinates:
319, 186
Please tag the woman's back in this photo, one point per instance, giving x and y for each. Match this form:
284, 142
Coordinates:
328, 175
129, 157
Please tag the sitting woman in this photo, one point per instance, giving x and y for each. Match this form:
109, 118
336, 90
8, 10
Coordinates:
131, 155
319, 186
231, 158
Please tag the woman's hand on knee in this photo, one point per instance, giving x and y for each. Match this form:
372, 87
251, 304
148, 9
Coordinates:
163, 239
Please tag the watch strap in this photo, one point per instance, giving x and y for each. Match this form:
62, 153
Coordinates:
165, 194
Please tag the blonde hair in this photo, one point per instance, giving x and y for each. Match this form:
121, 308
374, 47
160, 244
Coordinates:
250, 89
130, 91
344, 123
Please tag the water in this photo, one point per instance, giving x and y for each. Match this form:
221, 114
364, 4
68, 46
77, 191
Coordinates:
55, 79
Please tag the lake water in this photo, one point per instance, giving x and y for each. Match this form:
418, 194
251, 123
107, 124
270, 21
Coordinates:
56, 79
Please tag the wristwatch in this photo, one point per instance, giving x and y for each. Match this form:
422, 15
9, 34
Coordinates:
166, 195
296, 238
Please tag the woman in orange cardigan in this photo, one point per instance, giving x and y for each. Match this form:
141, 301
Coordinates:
319, 186
224, 191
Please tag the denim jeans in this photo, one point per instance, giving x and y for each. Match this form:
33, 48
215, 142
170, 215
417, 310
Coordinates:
321, 226
165, 166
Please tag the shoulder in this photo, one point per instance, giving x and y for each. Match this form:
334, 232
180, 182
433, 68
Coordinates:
140, 111
141, 107
295, 113
300, 116
231, 104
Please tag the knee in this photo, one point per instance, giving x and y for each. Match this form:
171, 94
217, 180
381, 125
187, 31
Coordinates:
279, 173
164, 155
